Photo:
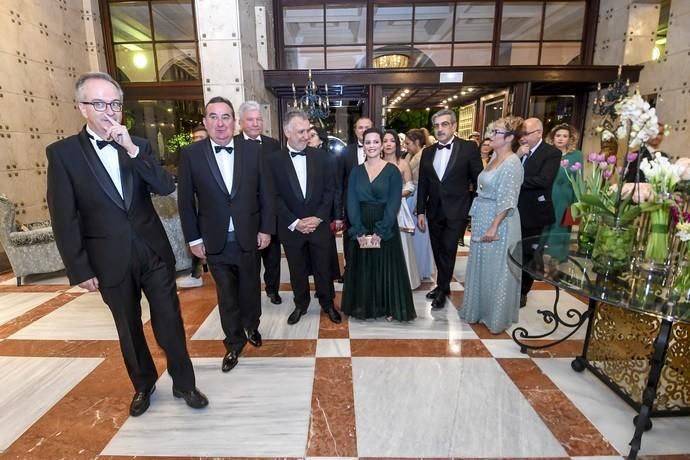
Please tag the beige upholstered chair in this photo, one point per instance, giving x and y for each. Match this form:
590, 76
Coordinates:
29, 252
166, 207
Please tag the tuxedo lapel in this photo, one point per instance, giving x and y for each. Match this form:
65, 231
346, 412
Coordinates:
99, 171
213, 165
292, 175
126, 176
311, 173
236, 170
453, 158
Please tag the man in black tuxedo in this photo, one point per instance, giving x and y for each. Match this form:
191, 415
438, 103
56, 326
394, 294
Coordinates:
227, 212
352, 156
111, 239
540, 162
304, 201
252, 125
446, 171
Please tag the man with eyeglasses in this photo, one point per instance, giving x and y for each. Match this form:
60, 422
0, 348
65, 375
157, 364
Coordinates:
111, 239
540, 162
227, 211
447, 170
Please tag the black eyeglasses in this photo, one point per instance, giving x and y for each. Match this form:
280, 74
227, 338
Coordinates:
100, 106
497, 131
527, 133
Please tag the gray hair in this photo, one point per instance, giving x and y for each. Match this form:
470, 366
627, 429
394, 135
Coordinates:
294, 114
248, 106
440, 113
83, 78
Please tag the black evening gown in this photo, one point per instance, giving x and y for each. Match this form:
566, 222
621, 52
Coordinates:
376, 280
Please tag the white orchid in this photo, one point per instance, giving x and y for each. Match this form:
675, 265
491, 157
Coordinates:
635, 113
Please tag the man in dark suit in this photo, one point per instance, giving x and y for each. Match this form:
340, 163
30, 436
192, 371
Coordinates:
540, 162
111, 239
352, 156
446, 171
304, 201
252, 125
226, 207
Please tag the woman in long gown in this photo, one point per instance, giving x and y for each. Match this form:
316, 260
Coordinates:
376, 281
415, 141
556, 236
492, 289
392, 154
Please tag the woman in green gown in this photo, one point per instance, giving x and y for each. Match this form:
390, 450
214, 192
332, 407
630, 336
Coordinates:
556, 236
376, 280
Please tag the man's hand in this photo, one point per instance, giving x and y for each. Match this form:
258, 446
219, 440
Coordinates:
421, 222
262, 240
199, 250
90, 284
119, 134
522, 150
307, 224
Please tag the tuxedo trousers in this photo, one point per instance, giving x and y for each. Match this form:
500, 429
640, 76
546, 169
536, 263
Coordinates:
271, 259
445, 235
528, 251
311, 255
238, 287
148, 273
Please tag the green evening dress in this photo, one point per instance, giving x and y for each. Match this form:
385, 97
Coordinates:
376, 280
555, 236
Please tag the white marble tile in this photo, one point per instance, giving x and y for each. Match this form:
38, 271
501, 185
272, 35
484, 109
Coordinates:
611, 415
260, 409
543, 300
31, 386
284, 272
39, 279
444, 407
333, 348
85, 318
273, 321
429, 324
503, 348
459, 270
15, 304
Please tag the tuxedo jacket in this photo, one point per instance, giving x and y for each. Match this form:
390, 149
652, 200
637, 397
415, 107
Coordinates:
540, 170
268, 144
206, 204
291, 204
93, 225
449, 196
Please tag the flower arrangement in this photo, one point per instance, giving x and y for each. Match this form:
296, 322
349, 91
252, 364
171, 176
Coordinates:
593, 184
638, 120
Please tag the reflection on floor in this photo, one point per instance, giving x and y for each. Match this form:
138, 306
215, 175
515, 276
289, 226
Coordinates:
435, 387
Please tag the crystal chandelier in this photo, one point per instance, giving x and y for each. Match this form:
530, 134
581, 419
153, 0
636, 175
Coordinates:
315, 106
604, 103
391, 61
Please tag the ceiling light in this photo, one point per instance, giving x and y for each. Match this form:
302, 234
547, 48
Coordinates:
462, 93
470, 90
139, 60
407, 110
427, 109
406, 91
389, 110
455, 96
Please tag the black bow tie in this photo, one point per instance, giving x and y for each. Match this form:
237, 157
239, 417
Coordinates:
447, 146
294, 154
219, 148
102, 144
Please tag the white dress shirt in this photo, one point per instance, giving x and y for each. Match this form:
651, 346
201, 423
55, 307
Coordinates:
361, 157
109, 157
441, 159
299, 162
226, 164
247, 138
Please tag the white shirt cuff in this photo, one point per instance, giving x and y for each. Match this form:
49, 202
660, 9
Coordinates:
293, 225
196, 242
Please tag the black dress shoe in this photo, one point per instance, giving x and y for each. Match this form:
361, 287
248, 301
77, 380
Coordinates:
141, 402
432, 294
194, 398
439, 301
333, 315
523, 300
254, 337
229, 361
274, 297
296, 315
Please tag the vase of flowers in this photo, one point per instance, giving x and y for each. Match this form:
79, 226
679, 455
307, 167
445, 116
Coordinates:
587, 233
612, 251
679, 291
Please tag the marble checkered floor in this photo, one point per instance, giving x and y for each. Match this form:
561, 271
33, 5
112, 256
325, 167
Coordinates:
433, 388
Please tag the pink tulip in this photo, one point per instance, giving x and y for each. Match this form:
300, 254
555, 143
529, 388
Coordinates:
592, 157
601, 157
608, 173
603, 165
611, 160
564, 163
576, 167
632, 156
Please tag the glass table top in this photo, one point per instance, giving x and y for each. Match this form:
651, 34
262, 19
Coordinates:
640, 288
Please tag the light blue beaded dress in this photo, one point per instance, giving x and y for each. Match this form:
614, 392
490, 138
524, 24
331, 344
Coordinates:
492, 286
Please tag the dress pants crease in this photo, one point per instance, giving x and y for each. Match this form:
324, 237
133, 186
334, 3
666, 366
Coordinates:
444, 236
157, 279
